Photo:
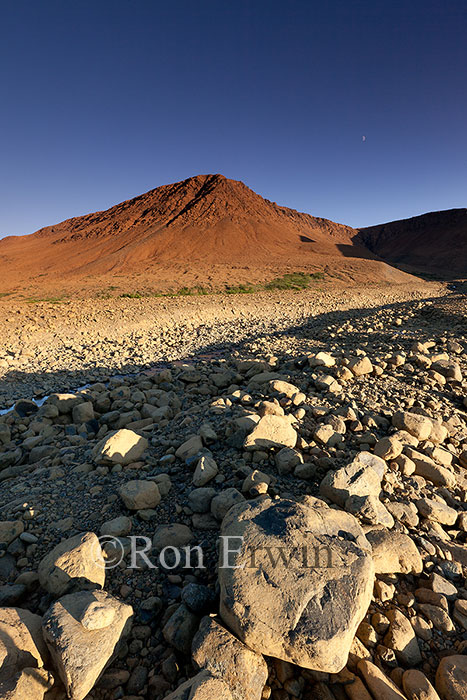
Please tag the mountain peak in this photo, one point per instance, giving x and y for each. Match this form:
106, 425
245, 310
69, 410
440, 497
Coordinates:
203, 222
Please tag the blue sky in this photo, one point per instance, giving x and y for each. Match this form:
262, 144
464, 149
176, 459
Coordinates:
104, 100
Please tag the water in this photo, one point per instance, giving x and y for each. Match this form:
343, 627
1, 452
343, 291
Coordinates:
42, 400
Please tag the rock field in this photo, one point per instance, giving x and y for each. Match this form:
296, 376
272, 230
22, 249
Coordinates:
327, 435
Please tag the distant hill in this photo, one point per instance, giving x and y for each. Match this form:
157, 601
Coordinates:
434, 243
206, 223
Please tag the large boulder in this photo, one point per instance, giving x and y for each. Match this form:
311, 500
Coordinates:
121, 447
75, 563
82, 631
216, 650
302, 583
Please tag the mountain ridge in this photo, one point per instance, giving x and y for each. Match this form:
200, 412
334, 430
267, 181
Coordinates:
200, 227
434, 242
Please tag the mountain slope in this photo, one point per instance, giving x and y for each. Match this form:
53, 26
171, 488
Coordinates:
204, 223
434, 242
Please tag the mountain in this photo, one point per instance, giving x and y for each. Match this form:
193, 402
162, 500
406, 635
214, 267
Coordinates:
434, 243
206, 228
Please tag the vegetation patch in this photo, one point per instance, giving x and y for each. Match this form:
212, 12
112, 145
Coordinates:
294, 280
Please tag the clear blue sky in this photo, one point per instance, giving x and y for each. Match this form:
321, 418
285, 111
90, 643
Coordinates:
102, 100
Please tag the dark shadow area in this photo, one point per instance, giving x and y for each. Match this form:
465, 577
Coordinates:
306, 239
357, 251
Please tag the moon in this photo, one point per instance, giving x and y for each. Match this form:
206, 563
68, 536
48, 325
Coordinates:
363, 138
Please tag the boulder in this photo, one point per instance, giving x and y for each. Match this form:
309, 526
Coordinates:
287, 459
203, 686
223, 502
370, 510
81, 652
29, 684
10, 530
426, 467
216, 650
73, 564
120, 447
321, 359
394, 552
438, 511
21, 643
401, 639
180, 629
189, 448
83, 412
418, 426
205, 471
360, 366
381, 687
140, 494
306, 583
388, 448
356, 479
451, 678
449, 369
271, 431
416, 686
117, 527
173, 535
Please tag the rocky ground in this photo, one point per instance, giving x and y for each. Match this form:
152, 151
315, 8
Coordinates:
335, 426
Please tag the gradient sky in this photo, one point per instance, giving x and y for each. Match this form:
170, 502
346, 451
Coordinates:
102, 100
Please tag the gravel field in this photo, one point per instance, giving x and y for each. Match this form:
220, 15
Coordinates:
50, 347
331, 420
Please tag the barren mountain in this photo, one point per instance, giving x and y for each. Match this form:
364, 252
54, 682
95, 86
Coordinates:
435, 242
191, 232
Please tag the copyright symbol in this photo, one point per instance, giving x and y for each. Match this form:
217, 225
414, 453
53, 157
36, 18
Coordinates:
113, 549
